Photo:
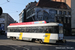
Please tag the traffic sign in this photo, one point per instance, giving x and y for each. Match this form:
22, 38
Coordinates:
1, 10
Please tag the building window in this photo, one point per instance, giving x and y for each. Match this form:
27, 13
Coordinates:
46, 18
60, 12
64, 12
68, 20
55, 11
64, 20
46, 15
69, 13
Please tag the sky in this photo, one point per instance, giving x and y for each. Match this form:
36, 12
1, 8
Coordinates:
14, 7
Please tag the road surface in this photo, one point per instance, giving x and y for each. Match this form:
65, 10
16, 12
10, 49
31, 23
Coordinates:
8, 44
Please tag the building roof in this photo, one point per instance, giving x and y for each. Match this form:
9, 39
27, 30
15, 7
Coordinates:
31, 4
52, 4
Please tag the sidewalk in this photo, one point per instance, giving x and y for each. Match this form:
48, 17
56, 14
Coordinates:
3, 37
69, 37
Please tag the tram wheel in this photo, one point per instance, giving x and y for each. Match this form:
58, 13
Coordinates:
14, 38
40, 41
11, 37
33, 40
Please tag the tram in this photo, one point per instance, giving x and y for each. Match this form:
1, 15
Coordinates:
36, 31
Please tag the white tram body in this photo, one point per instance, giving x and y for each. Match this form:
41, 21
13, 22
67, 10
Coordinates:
36, 31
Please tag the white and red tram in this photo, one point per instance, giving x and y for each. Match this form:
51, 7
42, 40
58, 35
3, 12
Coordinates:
36, 31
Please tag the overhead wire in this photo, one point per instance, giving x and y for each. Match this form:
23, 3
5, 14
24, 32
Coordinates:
18, 3
9, 9
4, 3
13, 12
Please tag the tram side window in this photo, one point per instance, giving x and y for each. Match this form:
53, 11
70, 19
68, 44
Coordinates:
15, 29
39, 30
22, 30
11, 30
44, 29
27, 29
51, 29
8, 30
34, 29
30, 29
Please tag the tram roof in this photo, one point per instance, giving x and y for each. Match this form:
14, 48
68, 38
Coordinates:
37, 24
